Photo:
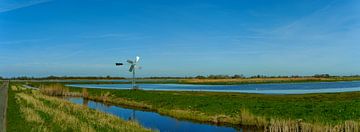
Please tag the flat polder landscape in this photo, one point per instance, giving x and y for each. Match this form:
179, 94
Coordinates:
179, 65
40, 105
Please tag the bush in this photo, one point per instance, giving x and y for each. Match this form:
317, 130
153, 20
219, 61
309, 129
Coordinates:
200, 77
322, 75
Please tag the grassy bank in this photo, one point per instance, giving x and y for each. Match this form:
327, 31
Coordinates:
32, 111
236, 81
312, 112
264, 80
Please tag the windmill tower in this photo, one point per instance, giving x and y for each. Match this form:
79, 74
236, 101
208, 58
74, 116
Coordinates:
133, 67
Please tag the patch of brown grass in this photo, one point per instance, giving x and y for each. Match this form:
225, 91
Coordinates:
57, 90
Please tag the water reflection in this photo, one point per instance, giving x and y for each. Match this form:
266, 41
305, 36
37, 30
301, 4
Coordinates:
85, 102
285, 88
154, 120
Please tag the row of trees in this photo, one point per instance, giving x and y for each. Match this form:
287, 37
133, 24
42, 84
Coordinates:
196, 77
167, 77
63, 77
264, 76
220, 77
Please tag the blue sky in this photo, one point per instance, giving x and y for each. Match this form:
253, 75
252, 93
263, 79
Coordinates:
179, 37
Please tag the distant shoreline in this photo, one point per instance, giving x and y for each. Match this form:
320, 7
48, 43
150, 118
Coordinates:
239, 81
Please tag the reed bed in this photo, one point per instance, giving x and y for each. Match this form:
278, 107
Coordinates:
58, 90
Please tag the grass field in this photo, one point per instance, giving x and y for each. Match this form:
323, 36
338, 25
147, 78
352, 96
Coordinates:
237, 81
264, 80
338, 111
32, 111
311, 112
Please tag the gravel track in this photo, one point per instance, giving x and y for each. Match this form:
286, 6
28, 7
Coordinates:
3, 105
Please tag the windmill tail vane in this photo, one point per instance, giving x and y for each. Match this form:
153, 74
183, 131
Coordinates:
133, 67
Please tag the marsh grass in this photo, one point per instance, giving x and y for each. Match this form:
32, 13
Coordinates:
58, 90
247, 118
286, 113
15, 118
31, 115
85, 93
17, 87
54, 114
14, 88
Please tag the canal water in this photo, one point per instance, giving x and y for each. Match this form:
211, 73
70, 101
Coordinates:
154, 120
282, 88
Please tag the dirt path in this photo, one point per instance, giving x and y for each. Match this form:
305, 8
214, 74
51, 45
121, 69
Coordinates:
3, 105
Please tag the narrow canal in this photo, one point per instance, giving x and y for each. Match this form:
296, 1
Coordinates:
154, 120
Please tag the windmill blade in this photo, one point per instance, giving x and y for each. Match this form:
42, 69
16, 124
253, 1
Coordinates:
138, 67
132, 68
137, 59
130, 61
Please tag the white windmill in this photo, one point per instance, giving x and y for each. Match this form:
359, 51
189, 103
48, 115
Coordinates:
133, 67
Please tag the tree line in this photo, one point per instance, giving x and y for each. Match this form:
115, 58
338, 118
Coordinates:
236, 76
62, 77
264, 76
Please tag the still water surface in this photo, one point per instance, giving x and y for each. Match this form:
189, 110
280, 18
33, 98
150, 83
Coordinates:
154, 120
283, 88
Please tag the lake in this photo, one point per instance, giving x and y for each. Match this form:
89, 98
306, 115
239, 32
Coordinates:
281, 88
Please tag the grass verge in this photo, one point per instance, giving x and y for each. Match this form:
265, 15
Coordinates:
33, 111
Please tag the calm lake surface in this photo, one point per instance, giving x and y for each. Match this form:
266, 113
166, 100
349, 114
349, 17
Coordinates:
153, 120
283, 88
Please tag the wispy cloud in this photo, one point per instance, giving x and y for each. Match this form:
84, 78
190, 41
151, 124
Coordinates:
311, 21
123, 36
107, 35
325, 25
10, 6
23, 41
243, 37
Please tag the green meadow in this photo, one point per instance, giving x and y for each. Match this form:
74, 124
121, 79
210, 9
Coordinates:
322, 108
315, 112
307, 112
